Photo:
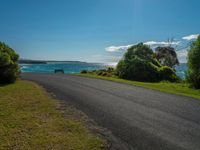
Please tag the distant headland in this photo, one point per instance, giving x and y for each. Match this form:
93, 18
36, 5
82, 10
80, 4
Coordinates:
29, 61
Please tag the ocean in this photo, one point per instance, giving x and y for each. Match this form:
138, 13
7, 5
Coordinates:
181, 70
67, 67
78, 67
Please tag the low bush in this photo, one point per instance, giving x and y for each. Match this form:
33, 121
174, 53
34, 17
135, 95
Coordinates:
139, 70
84, 71
168, 74
102, 72
9, 69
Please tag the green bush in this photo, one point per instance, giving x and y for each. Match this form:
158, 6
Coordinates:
9, 69
168, 74
102, 72
84, 71
121, 69
139, 64
110, 69
139, 70
193, 74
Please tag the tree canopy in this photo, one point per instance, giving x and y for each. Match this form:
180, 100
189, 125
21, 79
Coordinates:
166, 56
140, 64
193, 74
9, 69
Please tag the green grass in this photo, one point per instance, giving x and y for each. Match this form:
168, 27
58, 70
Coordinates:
174, 88
30, 119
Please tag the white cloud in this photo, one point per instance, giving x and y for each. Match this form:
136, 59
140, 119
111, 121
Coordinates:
150, 43
191, 37
182, 54
156, 43
118, 48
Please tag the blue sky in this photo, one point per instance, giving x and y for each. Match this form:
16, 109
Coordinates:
94, 30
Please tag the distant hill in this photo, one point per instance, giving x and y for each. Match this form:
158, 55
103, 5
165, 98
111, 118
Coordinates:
27, 61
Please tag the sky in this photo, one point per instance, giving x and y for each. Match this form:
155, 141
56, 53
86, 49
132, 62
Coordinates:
95, 30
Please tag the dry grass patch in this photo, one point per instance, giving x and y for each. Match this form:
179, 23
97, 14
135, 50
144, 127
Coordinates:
29, 120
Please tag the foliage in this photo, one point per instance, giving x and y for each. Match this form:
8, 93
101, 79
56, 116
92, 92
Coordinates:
166, 56
110, 69
193, 74
139, 64
121, 67
84, 71
138, 69
167, 74
102, 72
9, 69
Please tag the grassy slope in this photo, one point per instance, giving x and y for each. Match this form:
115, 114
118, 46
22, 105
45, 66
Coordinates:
174, 88
29, 119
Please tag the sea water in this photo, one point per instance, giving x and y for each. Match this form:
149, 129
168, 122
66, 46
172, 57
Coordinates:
181, 70
77, 68
67, 67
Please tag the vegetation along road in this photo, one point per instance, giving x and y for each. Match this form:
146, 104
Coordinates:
141, 118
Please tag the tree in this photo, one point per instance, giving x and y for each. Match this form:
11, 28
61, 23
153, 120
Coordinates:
166, 56
140, 64
193, 74
9, 69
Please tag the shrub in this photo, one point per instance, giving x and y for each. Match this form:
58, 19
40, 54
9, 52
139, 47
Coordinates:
110, 69
9, 69
193, 74
84, 71
168, 74
99, 73
139, 70
121, 69
104, 74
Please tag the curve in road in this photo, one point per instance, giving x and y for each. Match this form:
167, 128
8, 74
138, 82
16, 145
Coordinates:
141, 118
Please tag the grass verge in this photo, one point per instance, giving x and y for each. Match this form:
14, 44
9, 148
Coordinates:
29, 119
173, 88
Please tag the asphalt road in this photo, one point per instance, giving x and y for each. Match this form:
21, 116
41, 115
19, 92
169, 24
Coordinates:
141, 118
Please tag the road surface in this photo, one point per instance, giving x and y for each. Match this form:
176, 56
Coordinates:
140, 118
